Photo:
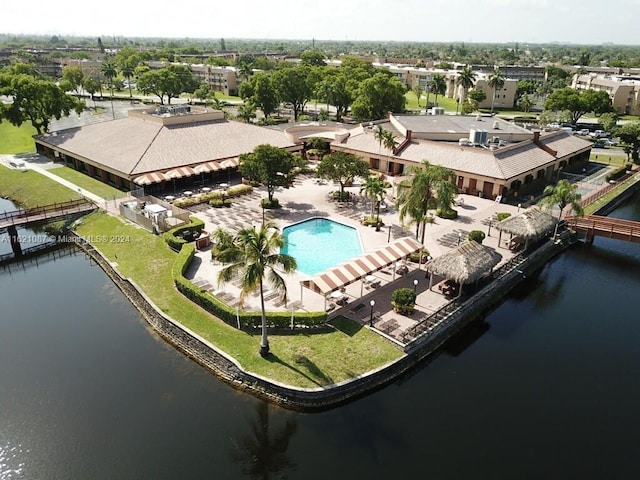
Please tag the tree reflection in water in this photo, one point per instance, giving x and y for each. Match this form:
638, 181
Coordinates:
262, 452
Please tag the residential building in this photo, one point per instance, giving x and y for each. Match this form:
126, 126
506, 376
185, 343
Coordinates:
623, 90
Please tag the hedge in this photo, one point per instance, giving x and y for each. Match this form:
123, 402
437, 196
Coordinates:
227, 313
231, 192
617, 173
174, 236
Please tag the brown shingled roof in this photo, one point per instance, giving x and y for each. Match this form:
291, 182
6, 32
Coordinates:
134, 146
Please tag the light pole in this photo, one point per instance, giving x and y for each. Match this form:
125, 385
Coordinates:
459, 237
389, 236
415, 285
373, 304
490, 221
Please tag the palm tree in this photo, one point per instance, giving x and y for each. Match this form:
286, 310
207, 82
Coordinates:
254, 254
416, 195
496, 82
389, 142
378, 134
417, 91
108, 69
247, 111
374, 188
466, 80
562, 194
128, 70
438, 85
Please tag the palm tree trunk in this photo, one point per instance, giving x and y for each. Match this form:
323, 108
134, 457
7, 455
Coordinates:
264, 341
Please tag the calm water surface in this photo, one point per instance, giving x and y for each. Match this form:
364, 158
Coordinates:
547, 387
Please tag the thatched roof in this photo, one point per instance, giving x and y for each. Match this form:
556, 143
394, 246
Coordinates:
532, 223
466, 263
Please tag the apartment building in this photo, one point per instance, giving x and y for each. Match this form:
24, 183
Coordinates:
221, 79
623, 90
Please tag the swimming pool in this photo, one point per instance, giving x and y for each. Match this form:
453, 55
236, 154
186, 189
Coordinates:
319, 243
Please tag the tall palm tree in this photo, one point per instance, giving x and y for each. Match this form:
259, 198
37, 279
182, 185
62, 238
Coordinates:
253, 255
417, 91
466, 80
562, 194
438, 85
496, 82
108, 69
389, 142
419, 194
378, 134
247, 111
374, 188
128, 70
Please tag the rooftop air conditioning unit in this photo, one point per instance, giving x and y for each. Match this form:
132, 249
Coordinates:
478, 137
437, 111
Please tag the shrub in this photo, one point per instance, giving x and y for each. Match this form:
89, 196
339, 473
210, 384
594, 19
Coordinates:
476, 236
174, 236
415, 257
403, 300
265, 203
449, 214
502, 215
616, 174
219, 203
371, 221
227, 313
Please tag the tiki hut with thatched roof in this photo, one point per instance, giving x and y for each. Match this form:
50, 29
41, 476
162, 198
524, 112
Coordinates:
531, 224
467, 263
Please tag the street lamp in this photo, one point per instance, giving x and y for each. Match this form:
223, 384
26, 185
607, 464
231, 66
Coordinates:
373, 304
459, 237
490, 221
389, 236
415, 285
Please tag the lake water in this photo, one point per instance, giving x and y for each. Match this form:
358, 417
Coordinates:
546, 387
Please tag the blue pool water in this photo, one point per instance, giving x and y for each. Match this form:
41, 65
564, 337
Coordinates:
318, 244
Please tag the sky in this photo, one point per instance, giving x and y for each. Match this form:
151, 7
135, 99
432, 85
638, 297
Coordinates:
590, 22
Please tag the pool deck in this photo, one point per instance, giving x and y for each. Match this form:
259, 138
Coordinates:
309, 198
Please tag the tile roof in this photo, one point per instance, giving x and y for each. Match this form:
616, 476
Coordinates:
503, 163
134, 146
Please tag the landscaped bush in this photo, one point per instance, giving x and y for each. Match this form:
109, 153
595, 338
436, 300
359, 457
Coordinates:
448, 214
617, 173
502, 215
174, 236
372, 221
219, 203
231, 192
218, 308
270, 205
476, 236
403, 300
415, 257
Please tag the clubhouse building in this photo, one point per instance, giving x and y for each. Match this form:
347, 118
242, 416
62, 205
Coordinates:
157, 146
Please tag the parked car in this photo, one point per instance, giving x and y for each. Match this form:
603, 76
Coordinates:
582, 132
599, 134
599, 144
610, 142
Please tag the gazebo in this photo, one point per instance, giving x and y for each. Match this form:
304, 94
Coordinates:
533, 223
467, 263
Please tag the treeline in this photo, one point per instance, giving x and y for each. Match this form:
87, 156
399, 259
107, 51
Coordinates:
621, 56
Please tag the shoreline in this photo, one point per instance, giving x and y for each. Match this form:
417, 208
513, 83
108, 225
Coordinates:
320, 399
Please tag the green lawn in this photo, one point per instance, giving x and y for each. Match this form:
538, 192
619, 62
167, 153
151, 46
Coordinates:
87, 183
611, 159
16, 139
302, 359
30, 189
449, 104
602, 201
